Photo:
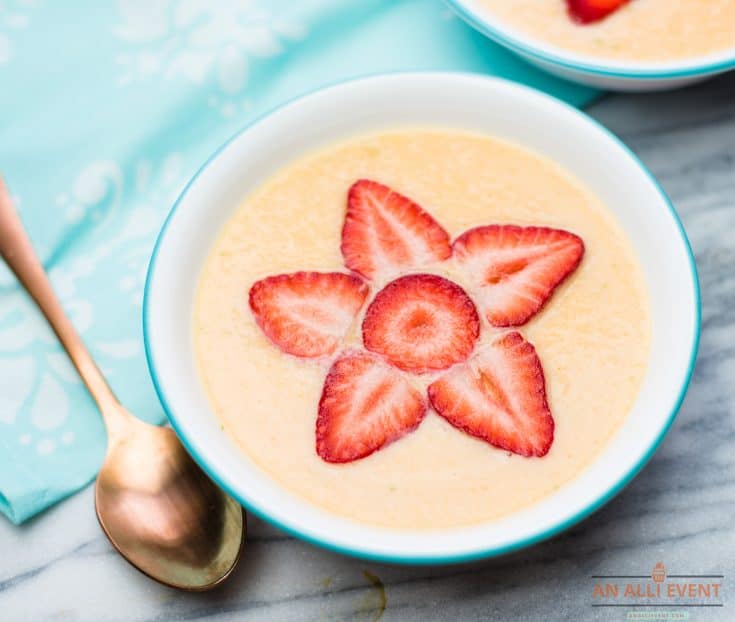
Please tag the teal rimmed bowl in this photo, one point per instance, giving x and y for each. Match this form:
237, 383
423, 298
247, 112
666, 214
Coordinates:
461, 101
613, 75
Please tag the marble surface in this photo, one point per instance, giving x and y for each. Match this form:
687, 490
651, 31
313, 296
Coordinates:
679, 510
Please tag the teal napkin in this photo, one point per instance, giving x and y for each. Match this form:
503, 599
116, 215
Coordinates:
106, 110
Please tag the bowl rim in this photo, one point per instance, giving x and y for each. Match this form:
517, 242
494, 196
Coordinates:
667, 70
420, 559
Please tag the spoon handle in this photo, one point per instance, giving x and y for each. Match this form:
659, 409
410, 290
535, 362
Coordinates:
18, 253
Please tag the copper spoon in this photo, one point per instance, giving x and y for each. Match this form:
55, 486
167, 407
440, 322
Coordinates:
157, 507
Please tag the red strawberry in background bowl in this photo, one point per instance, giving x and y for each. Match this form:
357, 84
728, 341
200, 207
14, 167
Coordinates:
495, 389
588, 11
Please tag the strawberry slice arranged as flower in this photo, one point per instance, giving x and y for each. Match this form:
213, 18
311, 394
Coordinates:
516, 269
385, 232
365, 405
499, 396
587, 11
307, 314
421, 322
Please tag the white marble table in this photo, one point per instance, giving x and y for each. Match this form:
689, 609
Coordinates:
679, 510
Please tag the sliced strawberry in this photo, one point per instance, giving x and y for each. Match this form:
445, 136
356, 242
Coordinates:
421, 322
385, 232
499, 396
365, 405
586, 11
516, 269
307, 313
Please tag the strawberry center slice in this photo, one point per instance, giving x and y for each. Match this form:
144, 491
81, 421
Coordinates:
421, 323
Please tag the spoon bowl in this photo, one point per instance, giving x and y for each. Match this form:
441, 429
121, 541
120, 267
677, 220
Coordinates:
162, 513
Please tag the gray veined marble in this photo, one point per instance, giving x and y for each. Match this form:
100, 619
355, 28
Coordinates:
679, 510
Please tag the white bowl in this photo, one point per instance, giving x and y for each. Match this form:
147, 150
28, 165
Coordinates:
613, 75
469, 102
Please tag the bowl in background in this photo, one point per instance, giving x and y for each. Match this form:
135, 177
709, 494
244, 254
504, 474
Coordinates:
612, 75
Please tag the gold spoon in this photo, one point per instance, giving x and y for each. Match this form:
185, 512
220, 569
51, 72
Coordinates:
157, 507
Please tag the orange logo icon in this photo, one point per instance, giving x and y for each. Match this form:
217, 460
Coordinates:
659, 573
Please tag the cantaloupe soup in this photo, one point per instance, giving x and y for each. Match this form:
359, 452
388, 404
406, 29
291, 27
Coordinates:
461, 329
637, 30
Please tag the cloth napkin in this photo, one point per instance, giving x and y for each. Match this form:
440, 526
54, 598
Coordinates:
106, 110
